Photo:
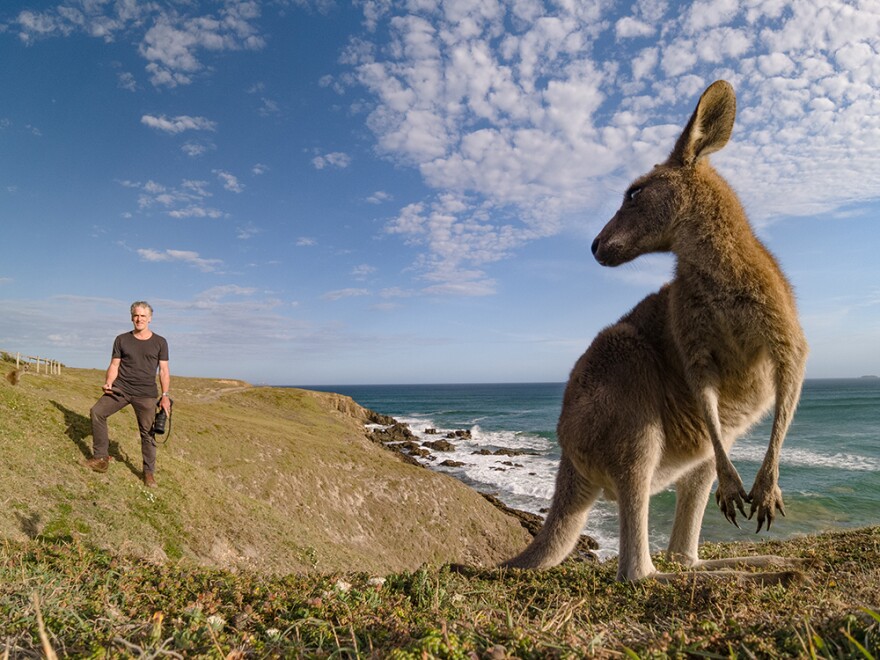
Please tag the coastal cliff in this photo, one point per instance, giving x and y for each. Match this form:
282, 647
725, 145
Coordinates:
272, 479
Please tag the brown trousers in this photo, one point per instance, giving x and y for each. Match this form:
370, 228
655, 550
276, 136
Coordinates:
144, 409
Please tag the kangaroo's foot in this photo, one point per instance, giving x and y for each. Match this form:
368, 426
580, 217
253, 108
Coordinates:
758, 561
785, 578
788, 570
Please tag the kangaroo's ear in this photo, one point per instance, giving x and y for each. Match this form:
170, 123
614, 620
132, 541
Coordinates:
710, 126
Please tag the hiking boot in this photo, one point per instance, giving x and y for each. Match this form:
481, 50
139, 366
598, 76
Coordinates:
97, 464
149, 480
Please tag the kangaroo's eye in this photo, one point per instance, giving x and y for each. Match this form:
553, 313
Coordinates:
632, 193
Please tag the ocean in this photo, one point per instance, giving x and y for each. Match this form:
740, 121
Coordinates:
829, 470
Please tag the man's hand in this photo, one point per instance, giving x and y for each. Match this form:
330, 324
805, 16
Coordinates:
165, 404
108, 388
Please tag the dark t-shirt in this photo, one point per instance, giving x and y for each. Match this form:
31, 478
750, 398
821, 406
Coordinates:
139, 362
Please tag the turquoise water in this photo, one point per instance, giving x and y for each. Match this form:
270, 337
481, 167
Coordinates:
829, 471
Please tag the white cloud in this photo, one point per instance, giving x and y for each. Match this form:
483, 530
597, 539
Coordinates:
710, 13
247, 231
304, 241
186, 200
345, 293
259, 169
230, 181
195, 211
268, 108
379, 197
178, 124
127, 82
195, 149
396, 292
174, 42
522, 116
218, 293
334, 159
628, 27
363, 271
185, 256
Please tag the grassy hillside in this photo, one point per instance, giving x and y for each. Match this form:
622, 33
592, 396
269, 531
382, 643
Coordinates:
269, 479
274, 518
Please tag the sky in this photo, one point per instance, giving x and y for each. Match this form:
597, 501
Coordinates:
312, 192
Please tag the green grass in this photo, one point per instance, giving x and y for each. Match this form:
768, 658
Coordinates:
95, 603
272, 501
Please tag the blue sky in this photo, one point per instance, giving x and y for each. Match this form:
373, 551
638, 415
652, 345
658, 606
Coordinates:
319, 192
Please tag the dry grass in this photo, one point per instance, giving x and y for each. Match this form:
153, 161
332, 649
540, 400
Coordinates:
275, 480
255, 546
96, 603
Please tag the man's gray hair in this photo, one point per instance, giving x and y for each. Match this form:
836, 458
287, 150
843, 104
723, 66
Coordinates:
141, 303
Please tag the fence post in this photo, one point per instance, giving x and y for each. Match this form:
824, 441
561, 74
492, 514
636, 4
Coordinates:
17, 359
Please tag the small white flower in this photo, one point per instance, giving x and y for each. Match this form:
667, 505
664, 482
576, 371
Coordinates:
216, 622
377, 582
342, 586
273, 633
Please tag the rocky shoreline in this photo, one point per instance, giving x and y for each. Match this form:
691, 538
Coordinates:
395, 436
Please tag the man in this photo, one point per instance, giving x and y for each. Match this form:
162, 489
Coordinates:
131, 379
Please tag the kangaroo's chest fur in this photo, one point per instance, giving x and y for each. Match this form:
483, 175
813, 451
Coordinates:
648, 354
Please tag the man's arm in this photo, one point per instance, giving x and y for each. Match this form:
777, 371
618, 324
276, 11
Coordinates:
165, 383
112, 372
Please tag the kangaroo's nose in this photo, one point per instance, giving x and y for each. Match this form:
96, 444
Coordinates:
595, 246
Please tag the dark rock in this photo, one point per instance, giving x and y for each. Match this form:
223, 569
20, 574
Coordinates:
393, 437
532, 522
505, 451
397, 432
440, 445
451, 463
430, 431
377, 418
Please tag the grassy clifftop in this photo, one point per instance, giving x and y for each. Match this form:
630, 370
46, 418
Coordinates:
276, 480
274, 516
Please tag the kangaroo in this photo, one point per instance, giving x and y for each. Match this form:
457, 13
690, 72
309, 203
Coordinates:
659, 397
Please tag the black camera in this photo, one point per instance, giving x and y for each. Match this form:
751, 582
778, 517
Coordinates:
160, 420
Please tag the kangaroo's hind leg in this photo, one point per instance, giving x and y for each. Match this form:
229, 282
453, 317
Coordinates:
572, 500
691, 494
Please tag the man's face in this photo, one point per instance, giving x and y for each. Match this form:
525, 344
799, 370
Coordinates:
141, 318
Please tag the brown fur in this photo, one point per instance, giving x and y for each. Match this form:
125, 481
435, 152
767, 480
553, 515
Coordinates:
660, 396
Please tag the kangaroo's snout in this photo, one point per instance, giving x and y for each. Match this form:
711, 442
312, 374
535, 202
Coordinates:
599, 254
602, 252
607, 250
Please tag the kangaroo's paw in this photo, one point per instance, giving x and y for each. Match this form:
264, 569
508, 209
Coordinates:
766, 500
731, 496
